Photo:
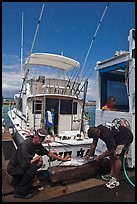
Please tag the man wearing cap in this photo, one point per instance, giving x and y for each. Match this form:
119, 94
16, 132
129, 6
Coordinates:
25, 162
117, 141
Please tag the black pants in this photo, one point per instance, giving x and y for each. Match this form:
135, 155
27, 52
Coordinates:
24, 179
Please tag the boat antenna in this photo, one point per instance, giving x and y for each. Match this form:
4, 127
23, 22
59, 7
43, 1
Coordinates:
91, 44
26, 73
35, 35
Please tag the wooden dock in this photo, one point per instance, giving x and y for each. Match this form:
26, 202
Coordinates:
49, 190
8, 142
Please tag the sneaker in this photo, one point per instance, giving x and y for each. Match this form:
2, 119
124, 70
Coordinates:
41, 188
106, 177
26, 196
112, 183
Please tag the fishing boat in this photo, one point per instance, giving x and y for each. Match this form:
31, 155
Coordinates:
116, 77
66, 94
57, 88
43, 92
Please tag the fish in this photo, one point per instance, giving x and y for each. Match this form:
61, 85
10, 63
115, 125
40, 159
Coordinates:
76, 161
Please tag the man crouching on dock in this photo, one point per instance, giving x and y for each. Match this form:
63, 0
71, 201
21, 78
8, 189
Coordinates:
25, 162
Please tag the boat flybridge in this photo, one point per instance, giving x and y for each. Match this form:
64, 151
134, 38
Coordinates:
116, 77
60, 94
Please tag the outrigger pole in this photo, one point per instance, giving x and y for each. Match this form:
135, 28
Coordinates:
27, 70
22, 44
21, 57
91, 44
26, 73
21, 63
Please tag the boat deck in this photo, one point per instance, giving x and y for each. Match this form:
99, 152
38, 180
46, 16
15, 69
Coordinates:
50, 190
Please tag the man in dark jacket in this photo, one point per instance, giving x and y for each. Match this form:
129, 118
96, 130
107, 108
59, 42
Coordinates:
26, 160
117, 141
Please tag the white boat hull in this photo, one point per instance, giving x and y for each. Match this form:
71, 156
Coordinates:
75, 146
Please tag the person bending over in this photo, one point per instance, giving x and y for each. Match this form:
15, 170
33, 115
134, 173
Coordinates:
117, 141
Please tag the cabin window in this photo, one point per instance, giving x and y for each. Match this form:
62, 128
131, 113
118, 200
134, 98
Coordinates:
114, 85
19, 105
74, 107
52, 103
37, 106
65, 106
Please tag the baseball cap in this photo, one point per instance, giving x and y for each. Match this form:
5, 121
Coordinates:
41, 132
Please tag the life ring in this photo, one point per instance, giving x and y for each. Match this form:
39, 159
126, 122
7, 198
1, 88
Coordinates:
121, 122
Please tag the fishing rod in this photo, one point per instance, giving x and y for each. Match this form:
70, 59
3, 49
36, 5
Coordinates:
93, 39
78, 91
74, 82
70, 79
80, 71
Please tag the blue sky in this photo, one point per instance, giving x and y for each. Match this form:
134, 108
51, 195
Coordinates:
66, 27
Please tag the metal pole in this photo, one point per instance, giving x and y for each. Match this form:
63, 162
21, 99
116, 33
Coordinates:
84, 100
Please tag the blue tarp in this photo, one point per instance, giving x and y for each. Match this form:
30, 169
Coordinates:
121, 65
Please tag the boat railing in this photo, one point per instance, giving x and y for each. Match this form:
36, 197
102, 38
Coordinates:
53, 86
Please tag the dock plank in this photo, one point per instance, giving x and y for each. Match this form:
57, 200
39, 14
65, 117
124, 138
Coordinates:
54, 191
6, 187
6, 178
6, 135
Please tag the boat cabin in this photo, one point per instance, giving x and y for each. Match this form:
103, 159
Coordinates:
116, 77
43, 92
